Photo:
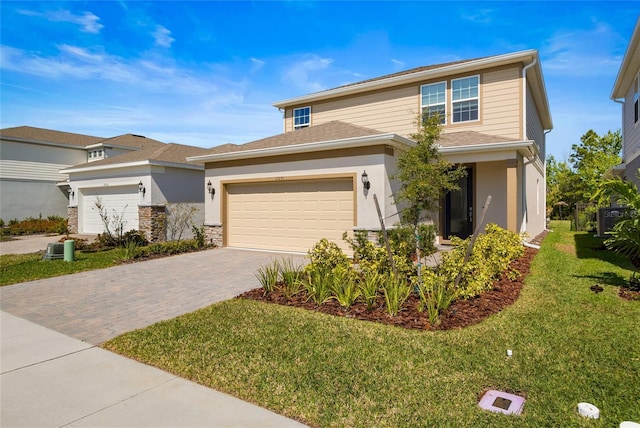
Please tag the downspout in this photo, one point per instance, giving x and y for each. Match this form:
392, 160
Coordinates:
544, 166
523, 206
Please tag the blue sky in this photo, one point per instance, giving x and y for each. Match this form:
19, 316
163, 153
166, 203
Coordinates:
205, 73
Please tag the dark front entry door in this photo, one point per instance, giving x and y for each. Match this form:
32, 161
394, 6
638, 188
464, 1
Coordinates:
458, 209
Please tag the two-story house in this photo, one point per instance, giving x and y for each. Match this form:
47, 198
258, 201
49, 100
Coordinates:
340, 147
626, 91
47, 172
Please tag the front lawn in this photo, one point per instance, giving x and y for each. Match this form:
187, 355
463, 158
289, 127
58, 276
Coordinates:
15, 268
569, 345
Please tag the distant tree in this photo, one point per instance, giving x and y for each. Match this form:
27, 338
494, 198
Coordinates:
425, 175
562, 194
592, 158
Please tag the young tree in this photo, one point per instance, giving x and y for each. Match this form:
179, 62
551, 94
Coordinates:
592, 158
424, 174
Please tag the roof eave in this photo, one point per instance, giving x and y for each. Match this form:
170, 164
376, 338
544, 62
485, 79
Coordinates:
389, 139
498, 60
632, 53
40, 142
130, 165
527, 147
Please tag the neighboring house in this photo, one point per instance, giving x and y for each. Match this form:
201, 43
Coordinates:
135, 178
30, 162
287, 191
626, 91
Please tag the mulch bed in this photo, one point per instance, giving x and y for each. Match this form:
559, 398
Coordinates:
460, 314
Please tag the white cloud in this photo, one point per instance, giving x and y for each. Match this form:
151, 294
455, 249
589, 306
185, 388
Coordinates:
304, 73
163, 37
582, 52
482, 16
398, 64
257, 64
87, 21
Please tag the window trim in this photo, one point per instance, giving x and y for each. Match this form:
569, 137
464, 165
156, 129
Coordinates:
476, 98
422, 106
293, 118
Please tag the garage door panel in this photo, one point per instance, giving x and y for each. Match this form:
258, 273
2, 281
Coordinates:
117, 201
289, 216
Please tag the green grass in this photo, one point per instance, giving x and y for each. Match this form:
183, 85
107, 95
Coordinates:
569, 345
15, 268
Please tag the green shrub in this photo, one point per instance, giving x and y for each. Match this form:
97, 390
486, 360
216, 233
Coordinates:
129, 251
31, 225
344, 286
199, 235
436, 294
396, 291
133, 236
494, 250
370, 283
269, 275
326, 255
317, 282
291, 275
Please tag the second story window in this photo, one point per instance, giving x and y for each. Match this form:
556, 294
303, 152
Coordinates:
301, 117
465, 98
433, 100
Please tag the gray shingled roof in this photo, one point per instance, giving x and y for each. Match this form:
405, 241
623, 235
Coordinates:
131, 140
49, 136
330, 131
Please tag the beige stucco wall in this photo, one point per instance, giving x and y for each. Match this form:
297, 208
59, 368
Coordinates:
396, 110
377, 167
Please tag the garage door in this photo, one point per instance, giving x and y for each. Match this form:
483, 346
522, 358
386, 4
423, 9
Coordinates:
289, 215
117, 201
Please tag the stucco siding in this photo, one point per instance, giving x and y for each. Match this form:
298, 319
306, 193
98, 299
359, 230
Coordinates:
21, 199
37, 162
177, 185
376, 166
491, 179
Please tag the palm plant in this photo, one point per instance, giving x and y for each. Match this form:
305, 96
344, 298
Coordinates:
625, 235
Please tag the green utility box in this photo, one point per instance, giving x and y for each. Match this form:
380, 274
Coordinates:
69, 250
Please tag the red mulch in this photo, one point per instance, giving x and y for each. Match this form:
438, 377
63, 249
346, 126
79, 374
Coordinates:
460, 314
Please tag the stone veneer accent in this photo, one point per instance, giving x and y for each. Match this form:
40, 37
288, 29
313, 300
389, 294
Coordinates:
72, 219
152, 221
213, 234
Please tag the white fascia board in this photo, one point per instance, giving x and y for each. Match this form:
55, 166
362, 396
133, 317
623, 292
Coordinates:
625, 73
129, 165
498, 60
527, 146
112, 146
389, 139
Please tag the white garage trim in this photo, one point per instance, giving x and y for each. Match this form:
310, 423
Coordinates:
288, 213
117, 200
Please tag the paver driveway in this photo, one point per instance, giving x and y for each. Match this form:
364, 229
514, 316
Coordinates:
101, 304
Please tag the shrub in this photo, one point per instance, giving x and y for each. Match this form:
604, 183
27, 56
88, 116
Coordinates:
370, 283
133, 236
31, 225
494, 250
436, 294
317, 282
291, 275
199, 235
396, 291
269, 276
344, 286
326, 255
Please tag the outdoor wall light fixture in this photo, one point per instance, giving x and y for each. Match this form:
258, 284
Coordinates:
365, 180
71, 192
141, 188
210, 188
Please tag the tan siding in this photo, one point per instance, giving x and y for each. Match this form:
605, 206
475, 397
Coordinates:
396, 110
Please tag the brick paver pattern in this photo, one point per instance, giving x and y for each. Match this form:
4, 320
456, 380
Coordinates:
98, 305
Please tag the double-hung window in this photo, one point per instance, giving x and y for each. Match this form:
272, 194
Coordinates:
465, 96
434, 100
301, 117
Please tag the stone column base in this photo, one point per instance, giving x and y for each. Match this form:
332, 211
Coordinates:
152, 221
72, 219
213, 234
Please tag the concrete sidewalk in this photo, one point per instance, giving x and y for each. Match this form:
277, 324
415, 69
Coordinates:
52, 380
